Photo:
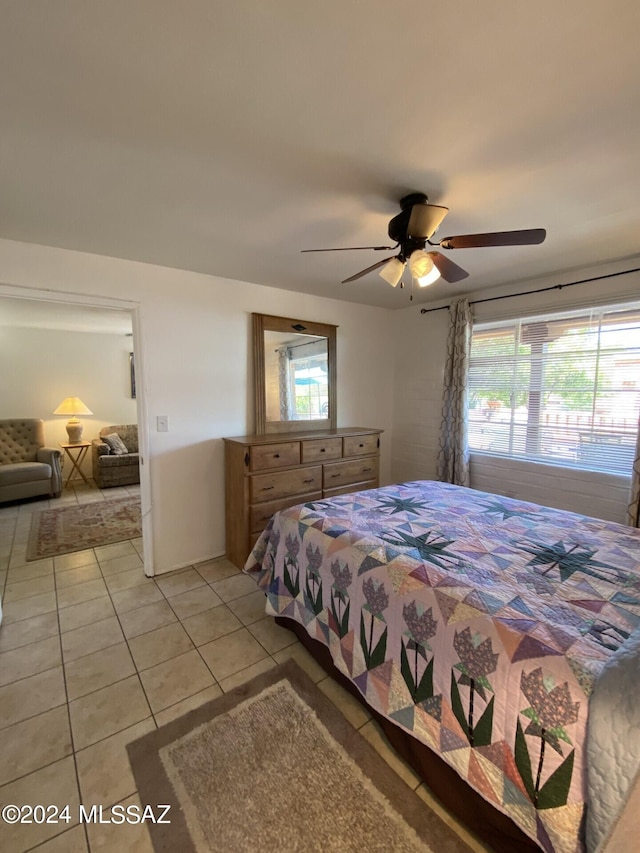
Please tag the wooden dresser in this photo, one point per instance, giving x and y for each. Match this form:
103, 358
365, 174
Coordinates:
266, 473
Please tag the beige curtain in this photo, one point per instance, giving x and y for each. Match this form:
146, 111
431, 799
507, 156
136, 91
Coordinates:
633, 511
453, 457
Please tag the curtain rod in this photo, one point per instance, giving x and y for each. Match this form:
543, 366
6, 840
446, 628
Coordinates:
540, 290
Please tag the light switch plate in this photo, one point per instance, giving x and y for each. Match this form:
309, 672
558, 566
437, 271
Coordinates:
162, 423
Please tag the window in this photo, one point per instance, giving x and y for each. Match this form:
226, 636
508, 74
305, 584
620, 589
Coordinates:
558, 388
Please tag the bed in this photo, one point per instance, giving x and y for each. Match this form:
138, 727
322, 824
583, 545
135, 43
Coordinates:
494, 639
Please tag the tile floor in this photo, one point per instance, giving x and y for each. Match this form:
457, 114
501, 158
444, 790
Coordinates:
93, 654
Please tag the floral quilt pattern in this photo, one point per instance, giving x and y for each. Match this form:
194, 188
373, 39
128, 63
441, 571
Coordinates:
476, 622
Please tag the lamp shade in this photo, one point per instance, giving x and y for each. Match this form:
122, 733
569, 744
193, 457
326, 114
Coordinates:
392, 271
73, 406
422, 268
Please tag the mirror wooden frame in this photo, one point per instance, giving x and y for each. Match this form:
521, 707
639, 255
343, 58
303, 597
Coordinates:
267, 323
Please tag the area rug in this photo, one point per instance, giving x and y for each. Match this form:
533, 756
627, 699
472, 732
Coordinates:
274, 766
74, 528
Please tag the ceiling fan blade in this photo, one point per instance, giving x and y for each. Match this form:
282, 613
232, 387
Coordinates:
448, 270
352, 249
368, 270
424, 220
528, 237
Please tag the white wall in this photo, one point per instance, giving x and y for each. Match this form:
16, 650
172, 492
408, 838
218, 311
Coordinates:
420, 350
194, 358
48, 365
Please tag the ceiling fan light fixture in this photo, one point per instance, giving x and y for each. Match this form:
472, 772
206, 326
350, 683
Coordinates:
392, 272
422, 268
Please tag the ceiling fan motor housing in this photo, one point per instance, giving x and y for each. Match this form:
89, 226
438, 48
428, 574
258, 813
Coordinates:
416, 222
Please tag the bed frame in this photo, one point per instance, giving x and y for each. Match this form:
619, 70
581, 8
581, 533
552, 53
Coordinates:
489, 824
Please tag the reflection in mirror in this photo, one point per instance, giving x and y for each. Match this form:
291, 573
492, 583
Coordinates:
296, 371
295, 374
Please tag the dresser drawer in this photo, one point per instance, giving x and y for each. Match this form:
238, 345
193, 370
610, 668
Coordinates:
260, 514
280, 455
355, 471
360, 445
354, 487
320, 450
282, 484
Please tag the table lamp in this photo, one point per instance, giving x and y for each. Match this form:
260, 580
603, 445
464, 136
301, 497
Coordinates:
73, 406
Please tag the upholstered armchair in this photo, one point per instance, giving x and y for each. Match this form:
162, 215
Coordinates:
116, 463
27, 467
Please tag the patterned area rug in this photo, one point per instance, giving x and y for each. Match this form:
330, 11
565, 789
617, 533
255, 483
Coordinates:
272, 766
74, 528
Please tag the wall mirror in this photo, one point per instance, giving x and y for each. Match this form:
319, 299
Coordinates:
295, 374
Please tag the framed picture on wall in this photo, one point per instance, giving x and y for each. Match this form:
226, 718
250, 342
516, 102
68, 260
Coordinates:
132, 371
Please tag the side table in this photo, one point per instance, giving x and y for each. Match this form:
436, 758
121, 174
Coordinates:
76, 460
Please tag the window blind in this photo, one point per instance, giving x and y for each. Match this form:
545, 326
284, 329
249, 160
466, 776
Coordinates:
561, 388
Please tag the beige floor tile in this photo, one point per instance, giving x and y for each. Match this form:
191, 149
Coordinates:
86, 613
162, 644
80, 593
72, 841
189, 704
33, 743
38, 569
52, 785
31, 696
249, 608
302, 657
143, 619
234, 587
474, 844
91, 638
97, 670
272, 636
126, 580
194, 601
21, 589
231, 653
216, 570
137, 596
125, 838
214, 623
15, 611
350, 707
28, 631
18, 558
107, 711
373, 733
79, 575
104, 770
65, 562
247, 674
175, 679
121, 564
177, 582
112, 552
29, 660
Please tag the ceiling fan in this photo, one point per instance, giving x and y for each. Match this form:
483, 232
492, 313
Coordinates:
412, 230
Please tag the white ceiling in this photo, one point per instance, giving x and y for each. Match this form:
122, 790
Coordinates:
225, 138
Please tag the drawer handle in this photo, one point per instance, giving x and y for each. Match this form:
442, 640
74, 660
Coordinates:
336, 475
322, 450
361, 445
267, 488
310, 480
364, 470
276, 456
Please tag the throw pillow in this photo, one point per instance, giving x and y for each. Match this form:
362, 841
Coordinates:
116, 444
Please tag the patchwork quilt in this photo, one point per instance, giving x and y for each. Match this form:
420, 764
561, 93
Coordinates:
481, 625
